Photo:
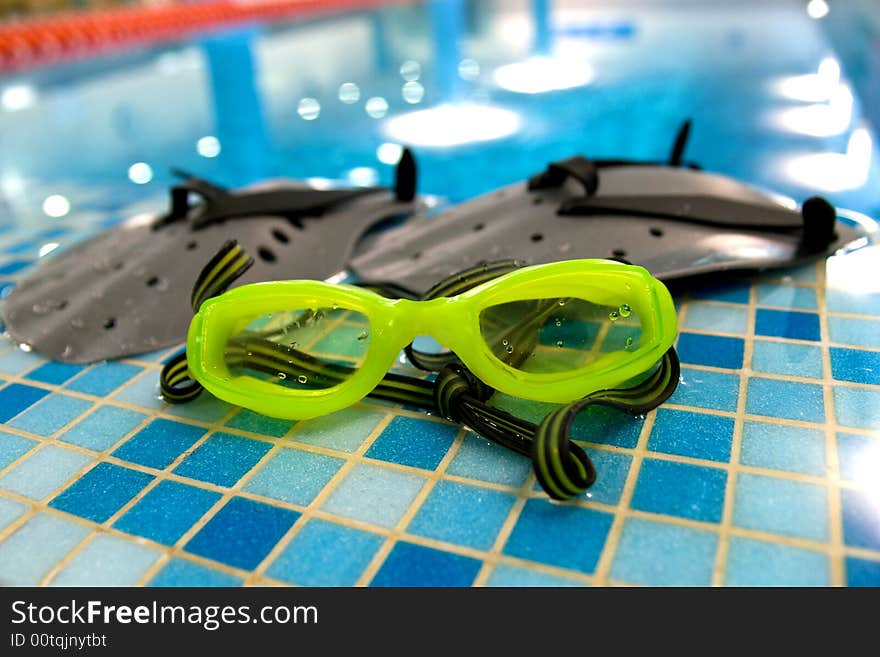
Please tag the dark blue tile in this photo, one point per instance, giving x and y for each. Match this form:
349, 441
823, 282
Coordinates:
16, 397
680, 489
415, 565
6, 288
55, 372
787, 324
242, 533
13, 267
698, 435
413, 442
223, 459
861, 519
103, 379
712, 350
159, 443
856, 365
101, 492
167, 511
22, 247
180, 572
559, 535
861, 572
54, 232
714, 291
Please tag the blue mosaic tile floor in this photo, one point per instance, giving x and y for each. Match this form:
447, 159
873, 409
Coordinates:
760, 470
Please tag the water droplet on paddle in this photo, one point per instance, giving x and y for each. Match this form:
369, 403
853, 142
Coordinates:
302, 378
613, 315
625, 310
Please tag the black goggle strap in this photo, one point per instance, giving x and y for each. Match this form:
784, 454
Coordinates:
562, 467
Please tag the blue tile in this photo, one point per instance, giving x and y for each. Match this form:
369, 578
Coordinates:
859, 332
180, 572
12, 447
44, 471
16, 397
785, 399
711, 350
50, 414
144, 391
256, 423
242, 533
103, 379
413, 442
716, 318
759, 563
855, 365
16, 361
10, 510
688, 555
782, 447
462, 514
478, 458
861, 572
697, 435
344, 430
607, 426
325, 554
294, 476
374, 494
13, 267
703, 389
103, 428
515, 576
55, 372
159, 443
787, 296
721, 291
859, 457
167, 511
857, 407
414, 565
35, 547
844, 301
101, 492
612, 469
107, 561
223, 459
781, 506
861, 518
559, 535
787, 324
790, 358
680, 489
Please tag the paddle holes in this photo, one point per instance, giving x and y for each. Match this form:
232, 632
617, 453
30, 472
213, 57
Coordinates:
266, 255
416, 255
478, 227
110, 323
618, 253
657, 232
537, 237
280, 236
153, 281
191, 246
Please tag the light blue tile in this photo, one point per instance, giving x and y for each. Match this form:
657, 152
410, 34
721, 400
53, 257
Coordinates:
10, 510
856, 303
344, 430
706, 390
785, 399
44, 471
103, 428
505, 575
759, 563
325, 554
374, 494
16, 361
12, 447
50, 414
858, 332
102, 379
781, 506
657, 554
787, 296
294, 476
859, 457
789, 358
181, 572
463, 514
611, 471
36, 546
716, 318
107, 561
783, 447
857, 407
478, 458
143, 391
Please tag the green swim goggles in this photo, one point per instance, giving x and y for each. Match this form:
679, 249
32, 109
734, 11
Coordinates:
550, 333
